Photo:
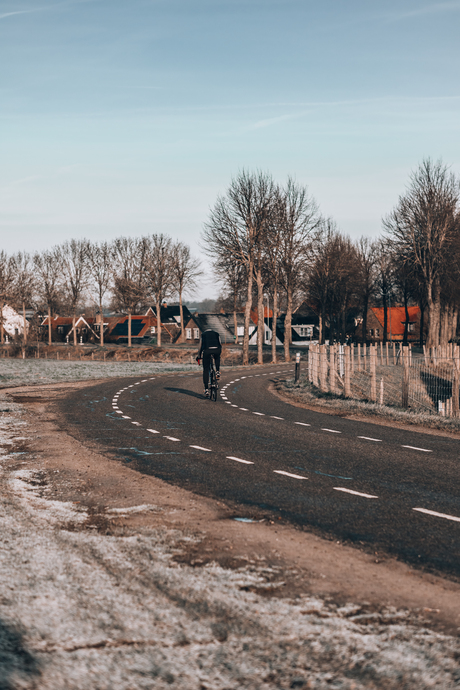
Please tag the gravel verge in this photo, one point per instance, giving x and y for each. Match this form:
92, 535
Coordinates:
96, 591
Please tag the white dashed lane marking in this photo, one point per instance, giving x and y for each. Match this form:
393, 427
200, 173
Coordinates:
261, 414
435, 514
424, 450
153, 431
332, 431
208, 450
289, 474
245, 462
136, 423
302, 424
355, 493
171, 438
273, 417
126, 417
368, 438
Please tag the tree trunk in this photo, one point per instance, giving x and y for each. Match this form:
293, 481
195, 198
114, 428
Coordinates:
25, 322
260, 318
453, 324
247, 316
444, 330
101, 327
287, 326
321, 326
181, 312
365, 306
385, 318
434, 316
422, 323
49, 325
406, 322
235, 321
274, 317
158, 308
129, 328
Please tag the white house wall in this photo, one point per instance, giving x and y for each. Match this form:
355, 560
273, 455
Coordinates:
13, 323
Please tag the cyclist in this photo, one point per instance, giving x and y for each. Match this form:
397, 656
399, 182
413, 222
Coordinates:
210, 345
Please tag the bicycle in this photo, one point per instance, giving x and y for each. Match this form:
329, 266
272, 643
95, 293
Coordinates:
213, 382
212, 379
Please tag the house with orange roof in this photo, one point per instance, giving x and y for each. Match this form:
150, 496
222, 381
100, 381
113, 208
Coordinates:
396, 320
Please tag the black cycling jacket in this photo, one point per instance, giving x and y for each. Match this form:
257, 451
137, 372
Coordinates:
210, 341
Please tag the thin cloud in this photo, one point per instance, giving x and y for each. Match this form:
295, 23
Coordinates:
437, 8
5, 15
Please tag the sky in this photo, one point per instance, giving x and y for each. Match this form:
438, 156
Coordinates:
130, 117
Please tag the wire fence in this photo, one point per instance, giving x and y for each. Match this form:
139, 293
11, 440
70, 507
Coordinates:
389, 375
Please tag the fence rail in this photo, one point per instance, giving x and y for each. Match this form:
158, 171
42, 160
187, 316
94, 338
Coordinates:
389, 375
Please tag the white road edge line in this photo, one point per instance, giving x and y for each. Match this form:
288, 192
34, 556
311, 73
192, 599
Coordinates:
424, 450
368, 438
441, 515
201, 448
355, 493
289, 474
232, 457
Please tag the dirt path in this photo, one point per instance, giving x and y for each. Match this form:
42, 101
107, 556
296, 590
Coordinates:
111, 579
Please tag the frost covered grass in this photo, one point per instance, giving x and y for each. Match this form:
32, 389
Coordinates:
19, 372
304, 392
80, 609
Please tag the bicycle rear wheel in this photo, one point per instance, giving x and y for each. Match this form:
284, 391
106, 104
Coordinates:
213, 384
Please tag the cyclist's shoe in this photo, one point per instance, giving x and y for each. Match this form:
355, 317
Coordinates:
218, 375
206, 393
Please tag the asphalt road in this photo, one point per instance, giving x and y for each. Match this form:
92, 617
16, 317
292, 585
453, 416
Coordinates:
352, 480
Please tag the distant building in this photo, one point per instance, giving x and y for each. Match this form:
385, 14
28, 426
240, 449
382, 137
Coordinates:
396, 319
13, 323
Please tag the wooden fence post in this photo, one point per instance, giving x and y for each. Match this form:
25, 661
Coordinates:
381, 390
405, 378
372, 358
455, 388
332, 365
323, 367
346, 378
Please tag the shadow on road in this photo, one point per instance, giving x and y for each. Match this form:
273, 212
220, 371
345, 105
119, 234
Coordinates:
17, 664
183, 391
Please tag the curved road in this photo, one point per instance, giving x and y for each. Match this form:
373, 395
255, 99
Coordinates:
393, 489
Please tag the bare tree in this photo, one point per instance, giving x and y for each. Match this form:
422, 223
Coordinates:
332, 280
421, 228
159, 273
100, 275
74, 260
24, 284
48, 270
233, 277
185, 270
6, 286
273, 255
235, 232
384, 280
300, 222
367, 257
129, 275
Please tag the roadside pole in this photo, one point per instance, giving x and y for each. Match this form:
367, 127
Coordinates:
297, 367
